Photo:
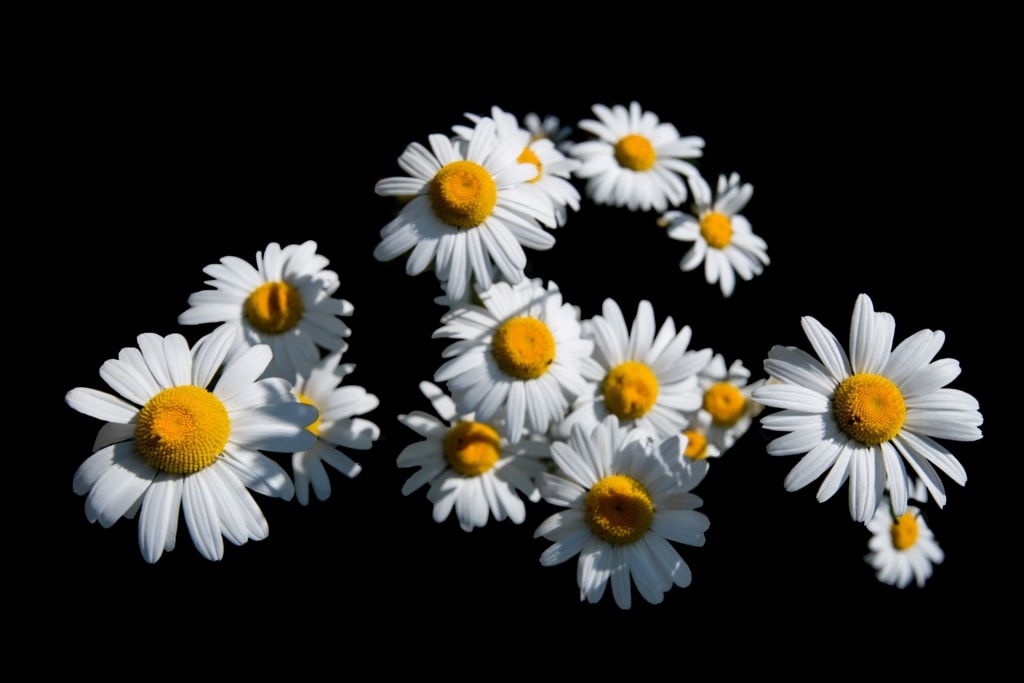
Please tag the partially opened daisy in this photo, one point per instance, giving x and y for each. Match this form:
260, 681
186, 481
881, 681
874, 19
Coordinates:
635, 160
469, 466
470, 210
339, 426
727, 409
285, 301
722, 238
521, 350
902, 548
627, 497
865, 416
184, 434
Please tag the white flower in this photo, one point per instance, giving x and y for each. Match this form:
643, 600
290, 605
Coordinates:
549, 127
727, 410
864, 416
172, 442
626, 497
903, 549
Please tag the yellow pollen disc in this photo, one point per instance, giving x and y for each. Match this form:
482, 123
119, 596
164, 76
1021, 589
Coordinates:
696, 445
716, 229
630, 390
725, 403
528, 157
523, 347
904, 531
463, 194
314, 426
618, 509
869, 408
472, 448
274, 307
182, 429
635, 153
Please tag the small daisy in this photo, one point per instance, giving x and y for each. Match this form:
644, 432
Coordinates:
285, 302
521, 350
549, 127
173, 442
469, 466
337, 426
470, 210
698, 447
646, 380
727, 410
636, 161
866, 415
902, 548
626, 498
722, 237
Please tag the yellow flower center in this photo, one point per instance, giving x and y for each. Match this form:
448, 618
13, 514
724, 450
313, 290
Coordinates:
696, 445
635, 153
472, 448
314, 426
869, 408
630, 390
463, 194
618, 509
182, 429
725, 403
528, 157
904, 531
274, 307
716, 229
523, 347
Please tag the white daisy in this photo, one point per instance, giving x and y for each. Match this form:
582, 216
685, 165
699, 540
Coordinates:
520, 350
469, 466
549, 127
172, 441
470, 210
698, 447
723, 239
727, 410
627, 496
337, 426
864, 416
646, 380
636, 160
285, 302
902, 548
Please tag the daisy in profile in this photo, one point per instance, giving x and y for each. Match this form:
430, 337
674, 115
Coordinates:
635, 160
722, 238
903, 548
727, 409
698, 447
184, 434
645, 379
866, 416
626, 498
470, 210
549, 127
521, 350
339, 426
469, 466
285, 301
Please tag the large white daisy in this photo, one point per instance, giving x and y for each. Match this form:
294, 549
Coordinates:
903, 548
626, 497
185, 433
863, 417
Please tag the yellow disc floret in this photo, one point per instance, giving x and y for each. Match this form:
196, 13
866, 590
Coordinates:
472, 448
869, 408
904, 531
313, 427
716, 229
618, 509
182, 429
630, 390
696, 445
523, 347
529, 157
635, 153
274, 307
463, 194
725, 402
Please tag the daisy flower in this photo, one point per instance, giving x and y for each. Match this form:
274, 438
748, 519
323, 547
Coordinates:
337, 426
865, 416
727, 410
469, 466
520, 350
636, 160
284, 301
645, 380
698, 447
185, 432
470, 210
722, 237
902, 548
549, 127
626, 497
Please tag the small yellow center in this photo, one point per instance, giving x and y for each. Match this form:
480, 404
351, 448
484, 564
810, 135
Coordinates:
618, 509
463, 194
274, 307
313, 427
182, 429
716, 229
630, 390
904, 531
696, 445
523, 347
528, 157
472, 448
635, 153
869, 408
725, 403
